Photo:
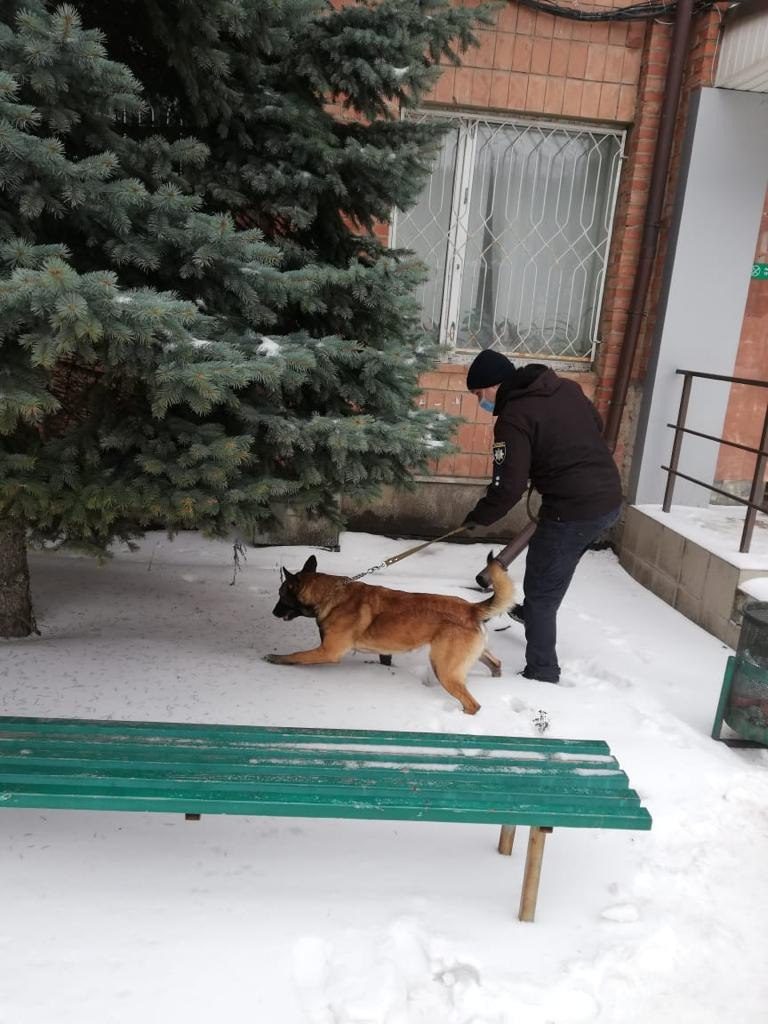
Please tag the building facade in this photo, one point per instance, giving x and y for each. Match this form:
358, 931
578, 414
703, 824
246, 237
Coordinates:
531, 227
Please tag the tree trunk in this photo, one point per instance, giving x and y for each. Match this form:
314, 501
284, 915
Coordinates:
16, 615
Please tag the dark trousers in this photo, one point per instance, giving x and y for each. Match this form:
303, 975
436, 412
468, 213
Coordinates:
553, 554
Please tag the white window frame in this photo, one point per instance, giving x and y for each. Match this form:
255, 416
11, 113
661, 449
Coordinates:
467, 123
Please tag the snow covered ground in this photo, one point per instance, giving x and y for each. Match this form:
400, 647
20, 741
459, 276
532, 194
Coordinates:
120, 918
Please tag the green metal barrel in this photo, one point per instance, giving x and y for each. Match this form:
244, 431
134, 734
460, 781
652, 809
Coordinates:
747, 708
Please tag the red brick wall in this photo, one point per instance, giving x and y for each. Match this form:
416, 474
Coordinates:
746, 406
445, 389
537, 65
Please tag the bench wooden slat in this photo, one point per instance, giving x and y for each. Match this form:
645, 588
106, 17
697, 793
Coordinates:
194, 798
303, 759
418, 784
173, 750
259, 735
543, 778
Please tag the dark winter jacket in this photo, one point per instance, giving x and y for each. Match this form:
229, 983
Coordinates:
547, 431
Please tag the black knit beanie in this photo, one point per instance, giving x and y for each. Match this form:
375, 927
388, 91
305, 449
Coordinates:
487, 369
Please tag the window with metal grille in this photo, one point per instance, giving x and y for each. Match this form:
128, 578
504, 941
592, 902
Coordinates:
514, 226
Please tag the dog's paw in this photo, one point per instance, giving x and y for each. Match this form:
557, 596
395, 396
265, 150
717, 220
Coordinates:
273, 659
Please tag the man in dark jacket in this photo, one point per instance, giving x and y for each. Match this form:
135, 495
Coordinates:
549, 433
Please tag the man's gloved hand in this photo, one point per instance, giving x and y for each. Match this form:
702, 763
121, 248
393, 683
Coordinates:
470, 525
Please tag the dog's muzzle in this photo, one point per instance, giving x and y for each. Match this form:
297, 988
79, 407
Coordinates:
285, 611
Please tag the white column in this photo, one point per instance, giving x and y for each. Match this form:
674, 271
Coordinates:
711, 251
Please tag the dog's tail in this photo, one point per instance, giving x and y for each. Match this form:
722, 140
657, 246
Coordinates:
503, 592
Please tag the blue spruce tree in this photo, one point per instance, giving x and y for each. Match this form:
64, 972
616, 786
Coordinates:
197, 323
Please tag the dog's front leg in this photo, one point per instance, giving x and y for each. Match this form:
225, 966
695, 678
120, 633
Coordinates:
325, 654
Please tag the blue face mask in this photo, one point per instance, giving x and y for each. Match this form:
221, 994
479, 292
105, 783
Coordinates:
488, 406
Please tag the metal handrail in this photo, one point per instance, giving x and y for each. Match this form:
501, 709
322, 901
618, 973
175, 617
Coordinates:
722, 440
752, 505
719, 376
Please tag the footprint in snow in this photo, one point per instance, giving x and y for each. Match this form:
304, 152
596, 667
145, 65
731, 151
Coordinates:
621, 913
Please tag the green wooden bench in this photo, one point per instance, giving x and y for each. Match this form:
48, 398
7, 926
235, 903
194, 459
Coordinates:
320, 773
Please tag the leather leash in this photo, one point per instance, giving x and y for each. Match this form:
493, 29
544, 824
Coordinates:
406, 554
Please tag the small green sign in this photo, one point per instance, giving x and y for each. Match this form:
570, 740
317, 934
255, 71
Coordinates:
760, 271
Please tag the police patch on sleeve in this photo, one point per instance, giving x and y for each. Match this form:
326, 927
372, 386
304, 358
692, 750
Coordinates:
499, 452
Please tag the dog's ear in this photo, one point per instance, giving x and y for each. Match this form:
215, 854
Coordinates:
310, 565
285, 574
490, 557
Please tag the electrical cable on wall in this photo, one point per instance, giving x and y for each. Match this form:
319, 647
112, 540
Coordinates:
632, 12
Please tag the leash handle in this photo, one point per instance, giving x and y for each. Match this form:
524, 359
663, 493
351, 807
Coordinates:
405, 554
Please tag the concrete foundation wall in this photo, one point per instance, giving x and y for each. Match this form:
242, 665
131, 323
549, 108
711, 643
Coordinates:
433, 507
699, 584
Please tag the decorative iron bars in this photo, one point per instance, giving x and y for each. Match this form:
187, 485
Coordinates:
514, 227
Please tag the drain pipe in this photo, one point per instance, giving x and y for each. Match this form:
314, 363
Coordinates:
649, 242
653, 214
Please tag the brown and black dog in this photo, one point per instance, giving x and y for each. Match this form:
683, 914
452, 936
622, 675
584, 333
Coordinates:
362, 617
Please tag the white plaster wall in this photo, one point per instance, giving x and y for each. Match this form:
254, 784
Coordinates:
719, 206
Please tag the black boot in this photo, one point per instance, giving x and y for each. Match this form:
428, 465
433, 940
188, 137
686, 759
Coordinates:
517, 614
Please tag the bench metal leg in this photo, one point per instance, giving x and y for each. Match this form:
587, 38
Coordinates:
506, 839
532, 874
192, 817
